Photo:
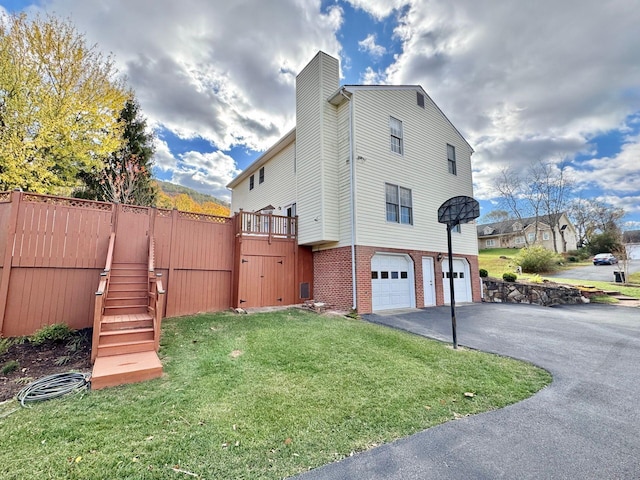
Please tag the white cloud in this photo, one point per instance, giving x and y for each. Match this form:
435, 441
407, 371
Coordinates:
369, 45
372, 77
619, 173
520, 83
379, 9
220, 70
206, 172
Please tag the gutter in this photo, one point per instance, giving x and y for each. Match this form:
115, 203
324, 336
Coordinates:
352, 203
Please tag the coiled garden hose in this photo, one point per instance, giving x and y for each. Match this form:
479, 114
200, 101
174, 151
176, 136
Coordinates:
53, 386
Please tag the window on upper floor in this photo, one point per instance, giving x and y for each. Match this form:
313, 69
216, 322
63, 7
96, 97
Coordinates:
420, 99
451, 159
456, 228
395, 127
531, 237
399, 204
251, 182
261, 175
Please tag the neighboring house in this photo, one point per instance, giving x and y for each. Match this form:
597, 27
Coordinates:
631, 240
365, 170
519, 233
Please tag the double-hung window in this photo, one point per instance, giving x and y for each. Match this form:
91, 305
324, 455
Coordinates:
261, 176
251, 182
399, 204
451, 159
395, 127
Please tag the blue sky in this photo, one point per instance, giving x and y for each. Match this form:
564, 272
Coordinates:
216, 78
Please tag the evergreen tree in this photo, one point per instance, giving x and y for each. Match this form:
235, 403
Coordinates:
126, 176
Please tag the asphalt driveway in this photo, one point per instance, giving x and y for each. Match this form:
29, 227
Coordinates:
585, 425
603, 273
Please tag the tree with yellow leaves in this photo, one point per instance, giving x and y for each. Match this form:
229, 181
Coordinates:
59, 105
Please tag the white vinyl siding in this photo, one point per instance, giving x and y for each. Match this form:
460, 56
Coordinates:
280, 193
421, 170
317, 151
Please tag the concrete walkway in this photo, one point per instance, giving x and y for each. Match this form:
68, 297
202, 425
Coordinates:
585, 425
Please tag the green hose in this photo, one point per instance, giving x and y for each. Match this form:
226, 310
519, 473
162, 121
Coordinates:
53, 386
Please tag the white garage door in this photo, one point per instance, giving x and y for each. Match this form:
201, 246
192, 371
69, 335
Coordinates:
391, 282
461, 281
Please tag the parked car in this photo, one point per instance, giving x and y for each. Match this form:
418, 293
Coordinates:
604, 259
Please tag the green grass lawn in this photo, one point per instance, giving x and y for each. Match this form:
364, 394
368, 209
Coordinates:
497, 261
260, 396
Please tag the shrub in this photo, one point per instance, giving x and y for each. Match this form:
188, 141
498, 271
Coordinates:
509, 277
537, 259
9, 367
54, 333
483, 273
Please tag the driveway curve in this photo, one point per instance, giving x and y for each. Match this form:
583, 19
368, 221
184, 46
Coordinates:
602, 273
585, 425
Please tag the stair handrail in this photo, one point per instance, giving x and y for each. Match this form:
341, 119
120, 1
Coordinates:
156, 294
101, 293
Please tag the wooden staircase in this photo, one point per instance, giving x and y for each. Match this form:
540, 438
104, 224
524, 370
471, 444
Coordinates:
126, 324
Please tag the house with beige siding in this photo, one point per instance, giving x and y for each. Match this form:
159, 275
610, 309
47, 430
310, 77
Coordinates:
553, 232
365, 169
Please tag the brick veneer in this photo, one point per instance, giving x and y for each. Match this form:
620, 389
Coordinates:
332, 276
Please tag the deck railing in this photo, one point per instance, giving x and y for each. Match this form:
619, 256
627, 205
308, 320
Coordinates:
101, 294
155, 306
263, 224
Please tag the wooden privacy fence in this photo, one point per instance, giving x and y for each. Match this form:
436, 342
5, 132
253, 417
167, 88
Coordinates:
52, 250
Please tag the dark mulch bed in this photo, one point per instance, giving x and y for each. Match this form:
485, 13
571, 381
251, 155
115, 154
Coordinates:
37, 361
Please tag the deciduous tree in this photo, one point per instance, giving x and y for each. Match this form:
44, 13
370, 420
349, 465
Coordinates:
59, 105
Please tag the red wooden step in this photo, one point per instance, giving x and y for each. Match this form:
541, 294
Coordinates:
112, 337
125, 309
125, 321
126, 347
120, 369
125, 301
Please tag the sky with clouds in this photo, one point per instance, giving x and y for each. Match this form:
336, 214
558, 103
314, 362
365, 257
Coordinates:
523, 81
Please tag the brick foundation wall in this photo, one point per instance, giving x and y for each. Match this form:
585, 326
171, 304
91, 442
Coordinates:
332, 276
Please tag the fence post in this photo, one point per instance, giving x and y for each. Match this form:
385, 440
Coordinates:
16, 197
172, 261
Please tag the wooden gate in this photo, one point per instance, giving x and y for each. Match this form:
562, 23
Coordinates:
262, 281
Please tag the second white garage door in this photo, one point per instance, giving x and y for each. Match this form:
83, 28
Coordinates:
461, 281
392, 282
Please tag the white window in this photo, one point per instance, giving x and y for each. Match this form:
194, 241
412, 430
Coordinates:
451, 159
395, 126
545, 236
399, 204
519, 240
531, 237
490, 242
456, 228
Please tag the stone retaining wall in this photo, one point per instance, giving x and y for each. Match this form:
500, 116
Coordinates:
497, 291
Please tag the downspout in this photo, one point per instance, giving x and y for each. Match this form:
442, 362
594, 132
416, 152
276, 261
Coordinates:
352, 203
